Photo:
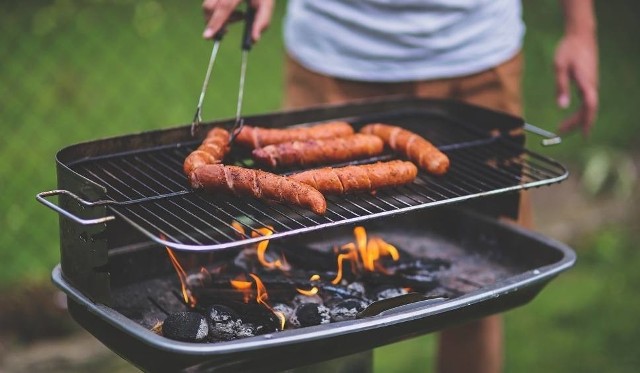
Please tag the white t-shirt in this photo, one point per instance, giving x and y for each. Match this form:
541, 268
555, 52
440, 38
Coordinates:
402, 40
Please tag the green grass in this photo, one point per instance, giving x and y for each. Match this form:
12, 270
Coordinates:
80, 70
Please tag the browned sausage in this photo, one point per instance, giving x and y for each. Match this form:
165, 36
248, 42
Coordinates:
259, 184
312, 152
257, 137
411, 145
359, 178
212, 150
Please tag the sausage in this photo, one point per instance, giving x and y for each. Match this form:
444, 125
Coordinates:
257, 137
212, 150
259, 184
413, 146
312, 152
360, 178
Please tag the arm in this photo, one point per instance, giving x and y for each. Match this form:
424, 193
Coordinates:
576, 60
217, 13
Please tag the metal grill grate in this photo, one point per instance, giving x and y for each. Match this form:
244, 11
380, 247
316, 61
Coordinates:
151, 193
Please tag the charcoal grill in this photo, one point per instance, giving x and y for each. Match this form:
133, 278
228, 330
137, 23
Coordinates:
123, 199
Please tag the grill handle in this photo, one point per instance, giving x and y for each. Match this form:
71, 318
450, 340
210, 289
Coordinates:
550, 138
41, 197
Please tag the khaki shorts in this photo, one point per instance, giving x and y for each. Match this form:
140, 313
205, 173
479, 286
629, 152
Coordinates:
498, 88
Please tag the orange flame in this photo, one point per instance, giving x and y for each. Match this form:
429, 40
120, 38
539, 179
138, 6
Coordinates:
182, 276
262, 246
244, 287
313, 290
262, 297
364, 254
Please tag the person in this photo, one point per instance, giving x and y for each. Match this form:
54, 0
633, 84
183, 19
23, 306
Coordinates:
468, 50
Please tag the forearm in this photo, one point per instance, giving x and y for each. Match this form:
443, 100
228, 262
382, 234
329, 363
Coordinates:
579, 17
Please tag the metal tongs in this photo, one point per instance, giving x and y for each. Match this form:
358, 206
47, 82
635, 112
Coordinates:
247, 42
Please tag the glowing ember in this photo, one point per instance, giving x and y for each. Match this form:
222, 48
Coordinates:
182, 276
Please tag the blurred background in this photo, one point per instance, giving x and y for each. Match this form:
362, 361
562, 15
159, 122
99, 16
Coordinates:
80, 70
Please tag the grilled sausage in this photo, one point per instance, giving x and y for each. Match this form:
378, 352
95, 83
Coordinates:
359, 178
411, 145
257, 137
312, 152
212, 150
259, 184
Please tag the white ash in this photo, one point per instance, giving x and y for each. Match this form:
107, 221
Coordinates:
185, 326
357, 288
309, 314
284, 309
390, 293
302, 299
347, 310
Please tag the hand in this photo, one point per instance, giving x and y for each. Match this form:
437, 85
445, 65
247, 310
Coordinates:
218, 12
576, 60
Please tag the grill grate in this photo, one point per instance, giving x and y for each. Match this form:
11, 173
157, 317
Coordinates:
150, 192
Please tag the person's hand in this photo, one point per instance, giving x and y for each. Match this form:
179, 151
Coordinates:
218, 12
576, 60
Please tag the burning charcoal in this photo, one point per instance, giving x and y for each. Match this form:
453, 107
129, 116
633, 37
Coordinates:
309, 314
284, 309
357, 288
341, 292
303, 299
186, 327
347, 309
224, 323
386, 292
263, 319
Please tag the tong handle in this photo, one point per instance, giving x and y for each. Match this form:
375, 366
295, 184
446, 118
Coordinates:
41, 197
249, 18
550, 138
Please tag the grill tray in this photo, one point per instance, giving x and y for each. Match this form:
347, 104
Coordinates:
138, 179
519, 264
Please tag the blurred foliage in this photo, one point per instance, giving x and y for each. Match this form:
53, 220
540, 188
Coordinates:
80, 70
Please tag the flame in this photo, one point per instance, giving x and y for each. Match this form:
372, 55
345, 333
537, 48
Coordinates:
261, 249
313, 290
243, 286
262, 297
182, 276
364, 254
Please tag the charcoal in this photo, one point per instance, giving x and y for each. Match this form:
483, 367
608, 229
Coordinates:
387, 291
341, 292
357, 288
186, 327
303, 299
284, 309
224, 323
411, 265
309, 314
262, 318
347, 309
231, 330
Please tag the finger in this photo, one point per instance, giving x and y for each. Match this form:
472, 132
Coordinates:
219, 13
572, 122
264, 12
589, 94
562, 85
